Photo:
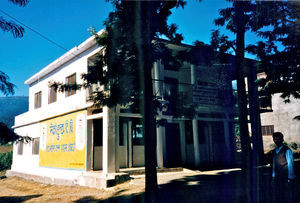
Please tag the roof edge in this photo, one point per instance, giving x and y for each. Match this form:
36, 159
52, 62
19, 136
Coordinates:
72, 53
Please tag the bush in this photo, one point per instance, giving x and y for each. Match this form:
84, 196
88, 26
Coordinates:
293, 145
5, 160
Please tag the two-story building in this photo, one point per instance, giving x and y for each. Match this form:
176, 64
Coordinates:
75, 143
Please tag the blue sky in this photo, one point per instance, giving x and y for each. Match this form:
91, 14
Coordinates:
66, 22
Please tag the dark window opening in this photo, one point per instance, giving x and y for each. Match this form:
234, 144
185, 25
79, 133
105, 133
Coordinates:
267, 130
98, 132
137, 132
38, 100
71, 80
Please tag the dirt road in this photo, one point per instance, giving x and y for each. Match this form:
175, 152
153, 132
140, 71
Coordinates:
188, 186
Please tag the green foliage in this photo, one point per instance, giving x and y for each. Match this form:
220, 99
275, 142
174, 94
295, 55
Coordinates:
10, 26
280, 51
7, 135
129, 43
293, 145
5, 160
17, 31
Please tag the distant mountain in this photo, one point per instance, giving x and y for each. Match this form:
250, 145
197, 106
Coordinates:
11, 107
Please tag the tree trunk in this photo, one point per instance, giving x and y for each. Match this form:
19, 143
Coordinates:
242, 97
145, 66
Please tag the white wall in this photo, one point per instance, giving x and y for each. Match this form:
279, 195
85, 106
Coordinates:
27, 161
282, 119
63, 104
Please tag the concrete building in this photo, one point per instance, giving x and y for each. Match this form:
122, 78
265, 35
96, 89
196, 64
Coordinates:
281, 119
74, 143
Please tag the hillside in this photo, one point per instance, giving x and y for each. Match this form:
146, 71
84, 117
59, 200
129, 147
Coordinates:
12, 106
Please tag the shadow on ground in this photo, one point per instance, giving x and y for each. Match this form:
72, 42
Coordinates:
220, 187
18, 198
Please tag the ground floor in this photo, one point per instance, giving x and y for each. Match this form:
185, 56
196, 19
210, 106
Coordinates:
109, 139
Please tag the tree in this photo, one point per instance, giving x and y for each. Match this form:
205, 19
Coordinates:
276, 22
17, 31
279, 53
238, 19
131, 44
8, 135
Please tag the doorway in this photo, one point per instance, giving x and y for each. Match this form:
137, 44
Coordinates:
173, 147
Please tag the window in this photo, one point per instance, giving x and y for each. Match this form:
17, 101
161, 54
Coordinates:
35, 146
20, 148
38, 100
171, 94
71, 80
52, 95
137, 132
267, 130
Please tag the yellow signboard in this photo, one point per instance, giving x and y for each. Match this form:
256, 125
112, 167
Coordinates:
63, 141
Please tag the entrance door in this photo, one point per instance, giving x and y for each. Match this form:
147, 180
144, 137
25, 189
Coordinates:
97, 138
211, 138
173, 150
131, 145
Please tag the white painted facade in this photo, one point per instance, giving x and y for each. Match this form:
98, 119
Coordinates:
208, 139
282, 119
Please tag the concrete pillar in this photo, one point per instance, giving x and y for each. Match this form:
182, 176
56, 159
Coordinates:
195, 125
89, 145
182, 142
129, 144
160, 141
110, 140
160, 130
158, 83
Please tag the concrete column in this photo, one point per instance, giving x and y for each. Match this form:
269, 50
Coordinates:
89, 145
160, 141
129, 144
158, 89
182, 142
195, 125
158, 84
110, 140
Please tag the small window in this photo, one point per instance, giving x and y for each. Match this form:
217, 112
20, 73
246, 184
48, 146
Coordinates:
137, 132
38, 100
35, 146
52, 95
20, 148
267, 130
71, 80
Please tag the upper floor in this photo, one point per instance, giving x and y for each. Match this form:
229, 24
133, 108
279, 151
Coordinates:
208, 87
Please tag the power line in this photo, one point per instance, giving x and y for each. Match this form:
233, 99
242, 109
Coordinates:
36, 32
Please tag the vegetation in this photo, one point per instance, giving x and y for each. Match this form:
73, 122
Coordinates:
5, 160
8, 135
17, 31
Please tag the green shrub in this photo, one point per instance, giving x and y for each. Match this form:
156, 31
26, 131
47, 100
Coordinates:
293, 145
5, 160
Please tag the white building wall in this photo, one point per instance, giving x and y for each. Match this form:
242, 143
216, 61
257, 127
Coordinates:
282, 119
63, 104
28, 124
27, 161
